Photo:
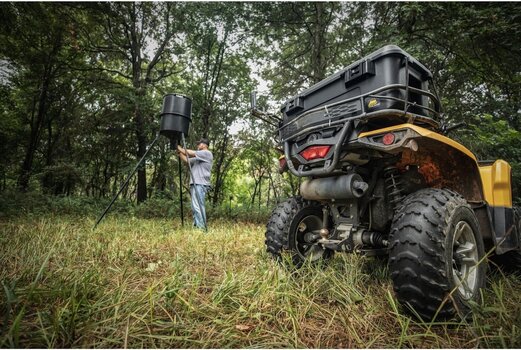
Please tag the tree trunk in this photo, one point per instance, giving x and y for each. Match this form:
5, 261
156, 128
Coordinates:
317, 58
212, 77
139, 90
254, 194
275, 193
142, 148
268, 196
36, 125
220, 169
260, 191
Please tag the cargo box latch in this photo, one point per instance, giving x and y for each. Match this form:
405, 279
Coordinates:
294, 105
359, 71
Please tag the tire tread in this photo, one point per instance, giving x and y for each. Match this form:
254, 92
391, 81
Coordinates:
417, 259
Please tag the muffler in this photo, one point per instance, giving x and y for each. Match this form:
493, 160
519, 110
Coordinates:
349, 186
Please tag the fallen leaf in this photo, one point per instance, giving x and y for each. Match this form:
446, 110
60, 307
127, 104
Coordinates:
151, 267
244, 327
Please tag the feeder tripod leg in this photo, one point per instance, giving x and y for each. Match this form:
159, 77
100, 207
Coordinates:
181, 192
127, 181
197, 198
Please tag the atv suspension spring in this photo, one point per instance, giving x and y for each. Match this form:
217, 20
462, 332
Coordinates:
393, 186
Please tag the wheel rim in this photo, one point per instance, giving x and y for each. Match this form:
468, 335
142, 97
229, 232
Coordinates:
465, 258
306, 237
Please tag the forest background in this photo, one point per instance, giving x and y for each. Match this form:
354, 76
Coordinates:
81, 87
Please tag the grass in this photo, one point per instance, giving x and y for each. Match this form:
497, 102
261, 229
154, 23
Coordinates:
143, 283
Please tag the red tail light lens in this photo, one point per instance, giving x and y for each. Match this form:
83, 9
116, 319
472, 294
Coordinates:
315, 152
388, 139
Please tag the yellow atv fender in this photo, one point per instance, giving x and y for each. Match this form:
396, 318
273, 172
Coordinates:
445, 163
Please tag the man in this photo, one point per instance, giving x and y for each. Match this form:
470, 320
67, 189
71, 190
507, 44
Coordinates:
201, 166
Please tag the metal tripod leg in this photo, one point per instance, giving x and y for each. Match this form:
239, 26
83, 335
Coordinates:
197, 198
126, 181
181, 192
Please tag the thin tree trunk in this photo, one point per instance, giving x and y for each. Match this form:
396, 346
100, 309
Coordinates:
254, 194
260, 191
36, 125
268, 197
220, 169
275, 193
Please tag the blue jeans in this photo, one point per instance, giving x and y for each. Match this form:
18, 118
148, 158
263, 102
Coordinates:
198, 193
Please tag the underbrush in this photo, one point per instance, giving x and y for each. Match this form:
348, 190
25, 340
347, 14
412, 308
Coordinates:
153, 283
14, 204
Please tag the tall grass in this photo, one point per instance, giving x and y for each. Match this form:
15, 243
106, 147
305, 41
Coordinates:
33, 204
152, 283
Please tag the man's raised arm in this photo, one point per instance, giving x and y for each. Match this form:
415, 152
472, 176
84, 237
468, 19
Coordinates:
181, 150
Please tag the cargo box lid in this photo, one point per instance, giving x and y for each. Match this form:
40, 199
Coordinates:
383, 51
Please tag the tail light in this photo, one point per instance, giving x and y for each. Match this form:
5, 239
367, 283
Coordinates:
388, 139
315, 152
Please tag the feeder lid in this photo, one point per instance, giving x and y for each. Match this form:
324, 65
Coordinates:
179, 95
177, 104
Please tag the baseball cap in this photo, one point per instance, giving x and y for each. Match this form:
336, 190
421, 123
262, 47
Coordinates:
204, 140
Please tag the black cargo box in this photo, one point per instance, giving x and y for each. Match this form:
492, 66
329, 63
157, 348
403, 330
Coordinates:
377, 74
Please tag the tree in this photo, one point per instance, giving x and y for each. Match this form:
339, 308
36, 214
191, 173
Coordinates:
471, 50
220, 81
81, 83
137, 45
36, 43
305, 42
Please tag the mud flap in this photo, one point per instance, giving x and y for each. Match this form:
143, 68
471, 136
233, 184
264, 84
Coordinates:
506, 235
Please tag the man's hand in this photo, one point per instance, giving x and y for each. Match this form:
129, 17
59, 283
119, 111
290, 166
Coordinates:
189, 152
181, 153
182, 156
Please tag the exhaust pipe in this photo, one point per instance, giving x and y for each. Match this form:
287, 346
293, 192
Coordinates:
349, 186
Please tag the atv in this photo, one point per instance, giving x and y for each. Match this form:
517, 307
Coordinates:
383, 179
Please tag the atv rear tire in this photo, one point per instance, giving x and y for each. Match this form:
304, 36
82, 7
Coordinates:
436, 254
294, 226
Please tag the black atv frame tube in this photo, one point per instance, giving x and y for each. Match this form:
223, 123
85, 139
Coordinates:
348, 127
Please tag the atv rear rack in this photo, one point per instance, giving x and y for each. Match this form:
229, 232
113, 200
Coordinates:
356, 107
336, 112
